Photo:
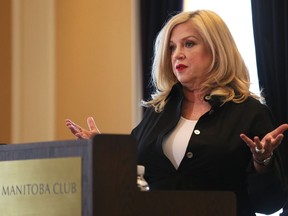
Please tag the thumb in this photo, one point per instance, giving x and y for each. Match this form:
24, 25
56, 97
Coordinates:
92, 125
280, 130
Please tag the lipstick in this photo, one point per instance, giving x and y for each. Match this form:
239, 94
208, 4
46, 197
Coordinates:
181, 67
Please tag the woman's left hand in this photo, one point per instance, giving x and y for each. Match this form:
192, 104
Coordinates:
263, 149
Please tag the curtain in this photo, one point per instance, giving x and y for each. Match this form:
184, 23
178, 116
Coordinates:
153, 15
270, 23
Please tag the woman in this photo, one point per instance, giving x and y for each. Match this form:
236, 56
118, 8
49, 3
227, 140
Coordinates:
203, 129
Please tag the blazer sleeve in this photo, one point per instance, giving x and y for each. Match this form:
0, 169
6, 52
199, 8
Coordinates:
268, 191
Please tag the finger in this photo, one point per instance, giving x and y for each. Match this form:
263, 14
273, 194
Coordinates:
279, 130
74, 128
258, 142
277, 140
68, 122
79, 135
71, 127
92, 125
82, 136
247, 140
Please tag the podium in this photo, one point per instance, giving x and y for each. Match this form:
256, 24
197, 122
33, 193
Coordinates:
107, 180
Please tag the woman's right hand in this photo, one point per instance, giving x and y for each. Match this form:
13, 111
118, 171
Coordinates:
80, 132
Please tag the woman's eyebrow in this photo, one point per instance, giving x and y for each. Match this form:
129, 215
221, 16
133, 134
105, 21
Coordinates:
186, 37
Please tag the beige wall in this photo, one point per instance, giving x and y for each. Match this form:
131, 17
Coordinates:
73, 59
5, 71
93, 72
33, 71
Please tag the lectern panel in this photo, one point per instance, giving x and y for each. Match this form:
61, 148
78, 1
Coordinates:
48, 178
115, 191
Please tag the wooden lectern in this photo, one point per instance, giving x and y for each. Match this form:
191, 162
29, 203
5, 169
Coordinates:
108, 180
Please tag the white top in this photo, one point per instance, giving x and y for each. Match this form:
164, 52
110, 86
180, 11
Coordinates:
176, 142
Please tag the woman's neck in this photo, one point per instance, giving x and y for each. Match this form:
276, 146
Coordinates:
193, 95
194, 105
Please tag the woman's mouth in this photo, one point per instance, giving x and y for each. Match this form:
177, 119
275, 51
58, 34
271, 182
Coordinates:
181, 67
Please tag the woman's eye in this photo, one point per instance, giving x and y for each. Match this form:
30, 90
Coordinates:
189, 44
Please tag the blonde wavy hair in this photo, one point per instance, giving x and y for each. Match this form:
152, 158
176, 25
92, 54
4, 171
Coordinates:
228, 76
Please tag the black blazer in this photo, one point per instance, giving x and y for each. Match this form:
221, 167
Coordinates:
216, 158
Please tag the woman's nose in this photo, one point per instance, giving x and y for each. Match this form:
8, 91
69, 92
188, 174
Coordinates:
178, 54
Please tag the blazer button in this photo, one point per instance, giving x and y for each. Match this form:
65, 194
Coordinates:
189, 155
197, 132
207, 98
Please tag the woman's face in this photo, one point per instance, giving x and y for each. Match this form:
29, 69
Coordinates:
190, 56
